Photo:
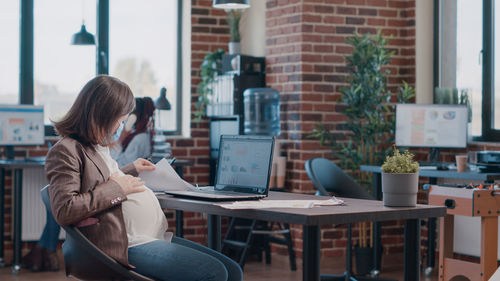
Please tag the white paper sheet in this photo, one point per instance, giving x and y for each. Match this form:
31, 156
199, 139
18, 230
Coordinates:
164, 178
265, 204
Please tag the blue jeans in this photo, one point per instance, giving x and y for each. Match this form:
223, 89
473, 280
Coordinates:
50, 234
182, 260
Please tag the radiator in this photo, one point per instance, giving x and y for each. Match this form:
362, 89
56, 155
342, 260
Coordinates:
33, 209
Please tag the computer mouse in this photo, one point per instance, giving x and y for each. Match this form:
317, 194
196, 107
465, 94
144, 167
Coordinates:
442, 168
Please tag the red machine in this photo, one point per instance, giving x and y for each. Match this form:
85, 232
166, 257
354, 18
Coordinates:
480, 201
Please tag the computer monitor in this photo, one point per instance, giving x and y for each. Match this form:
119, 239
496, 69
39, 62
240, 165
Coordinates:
21, 125
434, 125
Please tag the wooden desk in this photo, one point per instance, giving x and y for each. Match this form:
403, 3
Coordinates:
355, 210
433, 175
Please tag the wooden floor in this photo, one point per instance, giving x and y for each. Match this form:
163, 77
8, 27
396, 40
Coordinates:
279, 269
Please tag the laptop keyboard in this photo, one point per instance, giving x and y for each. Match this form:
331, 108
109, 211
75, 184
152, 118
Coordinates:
220, 192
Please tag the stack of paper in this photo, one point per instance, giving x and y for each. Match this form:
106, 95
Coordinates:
265, 204
164, 178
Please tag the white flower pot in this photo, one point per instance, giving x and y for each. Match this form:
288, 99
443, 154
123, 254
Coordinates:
400, 190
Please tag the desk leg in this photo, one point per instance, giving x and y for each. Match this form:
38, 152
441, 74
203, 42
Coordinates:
431, 240
377, 248
377, 227
18, 185
179, 223
2, 214
431, 246
489, 246
311, 253
214, 232
412, 250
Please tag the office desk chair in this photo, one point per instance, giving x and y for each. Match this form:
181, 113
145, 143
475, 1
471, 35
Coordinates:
328, 177
243, 234
84, 261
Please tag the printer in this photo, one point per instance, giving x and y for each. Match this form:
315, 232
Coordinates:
488, 161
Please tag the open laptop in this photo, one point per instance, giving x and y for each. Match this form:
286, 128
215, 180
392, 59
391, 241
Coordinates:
243, 170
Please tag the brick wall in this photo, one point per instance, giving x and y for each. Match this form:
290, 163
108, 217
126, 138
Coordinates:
305, 49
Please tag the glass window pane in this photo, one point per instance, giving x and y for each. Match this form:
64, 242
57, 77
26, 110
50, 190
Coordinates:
496, 120
469, 46
460, 46
61, 69
143, 50
9, 51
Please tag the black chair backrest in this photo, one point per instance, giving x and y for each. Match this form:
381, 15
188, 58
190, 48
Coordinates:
328, 177
83, 260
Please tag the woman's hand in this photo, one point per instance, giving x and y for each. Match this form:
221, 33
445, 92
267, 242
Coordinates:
128, 183
143, 165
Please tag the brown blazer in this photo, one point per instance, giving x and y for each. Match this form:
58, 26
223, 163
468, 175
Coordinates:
80, 189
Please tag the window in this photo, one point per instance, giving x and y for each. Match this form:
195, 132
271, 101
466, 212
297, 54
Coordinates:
9, 52
61, 69
143, 52
466, 48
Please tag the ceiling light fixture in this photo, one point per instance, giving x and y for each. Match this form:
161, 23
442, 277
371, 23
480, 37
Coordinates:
231, 4
83, 37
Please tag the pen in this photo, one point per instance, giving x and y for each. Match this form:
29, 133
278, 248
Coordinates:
172, 161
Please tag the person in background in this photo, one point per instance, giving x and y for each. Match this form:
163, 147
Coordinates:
136, 139
43, 257
108, 204
133, 142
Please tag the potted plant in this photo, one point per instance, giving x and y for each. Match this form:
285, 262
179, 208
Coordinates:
366, 104
210, 68
233, 21
400, 180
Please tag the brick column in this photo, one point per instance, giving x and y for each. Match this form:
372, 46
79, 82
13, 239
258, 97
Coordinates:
305, 50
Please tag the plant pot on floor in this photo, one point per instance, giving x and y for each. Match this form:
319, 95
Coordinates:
400, 190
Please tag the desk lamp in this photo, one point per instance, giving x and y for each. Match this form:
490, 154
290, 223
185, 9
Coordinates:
162, 102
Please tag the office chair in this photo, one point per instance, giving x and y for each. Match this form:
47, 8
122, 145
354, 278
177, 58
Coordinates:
84, 261
241, 235
328, 177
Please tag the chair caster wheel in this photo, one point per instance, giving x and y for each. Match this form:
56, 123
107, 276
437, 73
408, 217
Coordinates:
374, 273
15, 269
428, 271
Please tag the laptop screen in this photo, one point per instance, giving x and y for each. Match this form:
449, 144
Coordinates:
244, 163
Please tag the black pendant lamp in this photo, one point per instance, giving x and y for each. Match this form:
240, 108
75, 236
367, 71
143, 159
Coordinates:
83, 37
231, 4
162, 103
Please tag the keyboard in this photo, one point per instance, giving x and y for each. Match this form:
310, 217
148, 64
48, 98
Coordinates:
428, 165
35, 159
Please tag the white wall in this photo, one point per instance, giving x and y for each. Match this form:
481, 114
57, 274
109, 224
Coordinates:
253, 29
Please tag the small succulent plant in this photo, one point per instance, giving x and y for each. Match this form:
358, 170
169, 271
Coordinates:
400, 163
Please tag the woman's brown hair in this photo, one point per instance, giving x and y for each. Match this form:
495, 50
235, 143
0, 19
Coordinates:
99, 105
